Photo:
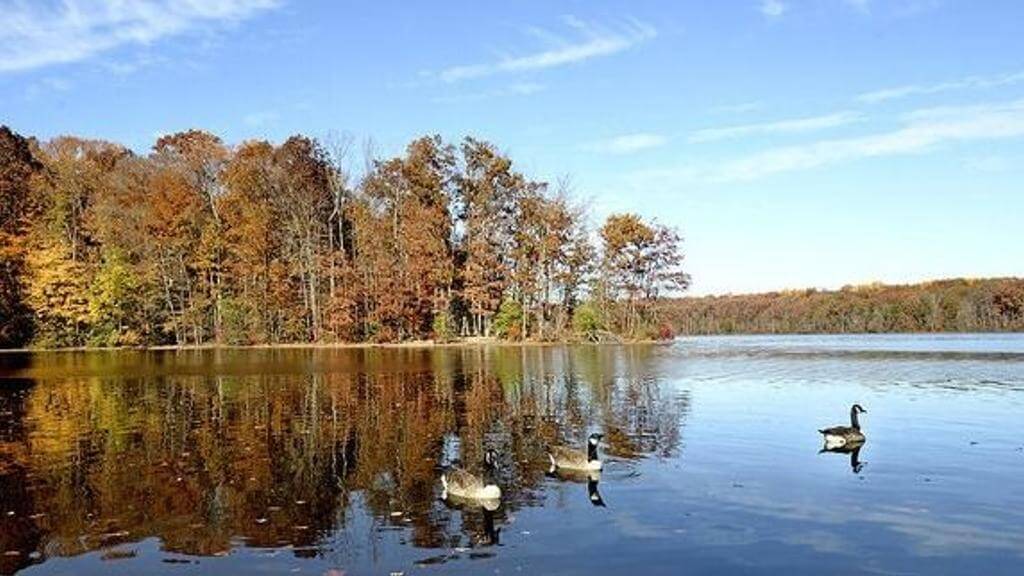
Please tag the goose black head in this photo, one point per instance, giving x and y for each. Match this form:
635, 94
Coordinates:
592, 443
491, 458
859, 409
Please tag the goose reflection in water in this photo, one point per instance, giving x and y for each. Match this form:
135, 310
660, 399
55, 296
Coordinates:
853, 450
488, 534
591, 478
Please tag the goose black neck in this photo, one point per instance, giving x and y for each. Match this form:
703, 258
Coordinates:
591, 451
853, 419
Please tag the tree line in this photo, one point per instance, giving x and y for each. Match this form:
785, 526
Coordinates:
957, 305
199, 242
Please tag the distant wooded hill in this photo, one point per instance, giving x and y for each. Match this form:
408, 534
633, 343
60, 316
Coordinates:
957, 305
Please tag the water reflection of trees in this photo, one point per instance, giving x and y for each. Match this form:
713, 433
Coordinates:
275, 448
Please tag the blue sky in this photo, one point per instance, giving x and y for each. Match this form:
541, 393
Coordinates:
794, 143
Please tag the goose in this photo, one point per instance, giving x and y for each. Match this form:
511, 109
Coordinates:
566, 458
463, 485
839, 436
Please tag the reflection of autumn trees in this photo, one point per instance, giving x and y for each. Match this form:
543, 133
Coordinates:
208, 450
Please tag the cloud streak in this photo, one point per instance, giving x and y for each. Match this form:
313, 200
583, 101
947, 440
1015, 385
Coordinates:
590, 41
34, 35
968, 83
921, 132
772, 8
789, 126
519, 89
627, 143
260, 119
858, 5
738, 108
917, 132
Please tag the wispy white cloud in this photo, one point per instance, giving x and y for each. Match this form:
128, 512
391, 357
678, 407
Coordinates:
260, 119
859, 5
738, 108
772, 8
967, 83
37, 34
49, 85
893, 9
627, 143
134, 63
789, 126
918, 132
912, 8
518, 89
994, 163
921, 132
590, 40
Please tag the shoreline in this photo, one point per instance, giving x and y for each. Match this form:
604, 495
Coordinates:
474, 342
412, 345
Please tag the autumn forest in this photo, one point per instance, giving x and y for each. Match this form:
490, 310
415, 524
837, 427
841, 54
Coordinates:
955, 305
198, 242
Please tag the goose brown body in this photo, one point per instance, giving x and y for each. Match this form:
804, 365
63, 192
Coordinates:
565, 458
465, 485
838, 436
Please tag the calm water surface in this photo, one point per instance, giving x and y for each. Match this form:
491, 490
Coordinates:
326, 462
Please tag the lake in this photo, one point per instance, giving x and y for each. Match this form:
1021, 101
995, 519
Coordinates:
327, 461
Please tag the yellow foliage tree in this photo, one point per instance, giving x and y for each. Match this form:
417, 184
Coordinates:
58, 294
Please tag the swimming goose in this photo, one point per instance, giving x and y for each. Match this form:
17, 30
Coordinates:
566, 458
464, 485
839, 436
